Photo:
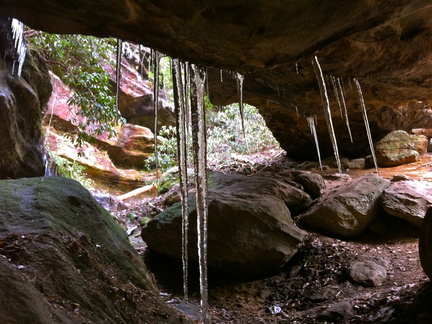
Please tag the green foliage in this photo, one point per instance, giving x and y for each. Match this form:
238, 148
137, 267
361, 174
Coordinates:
225, 137
69, 169
78, 61
167, 150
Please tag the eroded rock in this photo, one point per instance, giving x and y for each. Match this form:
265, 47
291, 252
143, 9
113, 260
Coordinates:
241, 216
349, 210
408, 200
399, 147
64, 259
22, 100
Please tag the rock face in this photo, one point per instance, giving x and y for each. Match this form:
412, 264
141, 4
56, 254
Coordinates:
241, 217
399, 147
65, 260
22, 100
348, 211
425, 244
408, 200
385, 45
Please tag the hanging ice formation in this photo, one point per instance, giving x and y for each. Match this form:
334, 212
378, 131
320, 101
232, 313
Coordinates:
155, 64
118, 75
366, 122
200, 163
240, 79
20, 46
181, 127
336, 92
311, 122
345, 111
327, 110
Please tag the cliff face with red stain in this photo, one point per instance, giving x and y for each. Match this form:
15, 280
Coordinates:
384, 44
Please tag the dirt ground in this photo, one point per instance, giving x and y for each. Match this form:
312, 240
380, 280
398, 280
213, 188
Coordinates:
314, 287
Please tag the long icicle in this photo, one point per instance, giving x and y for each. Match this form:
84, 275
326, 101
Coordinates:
240, 79
311, 122
366, 122
327, 110
118, 77
155, 58
336, 92
20, 45
342, 96
200, 162
182, 163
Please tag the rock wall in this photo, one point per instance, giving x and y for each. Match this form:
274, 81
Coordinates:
386, 45
22, 100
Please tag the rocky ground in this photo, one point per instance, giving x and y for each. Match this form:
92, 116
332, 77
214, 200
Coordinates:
314, 287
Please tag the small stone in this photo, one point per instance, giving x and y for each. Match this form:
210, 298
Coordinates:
367, 273
337, 312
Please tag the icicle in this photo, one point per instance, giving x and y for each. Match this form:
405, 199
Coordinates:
342, 96
240, 79
20, 46
366, 122
336, 92
118, 76
296, 67
221, 76
327, 110
155, 58
180, 113
311, 122
186, 69
200, 162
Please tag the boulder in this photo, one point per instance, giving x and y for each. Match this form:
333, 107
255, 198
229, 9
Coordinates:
399, 147
241, 216
367, 273
408, 199
349, 210
64, 259
282, 188
313, 183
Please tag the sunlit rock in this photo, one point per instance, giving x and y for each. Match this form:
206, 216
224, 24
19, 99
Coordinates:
399, 147
349, 210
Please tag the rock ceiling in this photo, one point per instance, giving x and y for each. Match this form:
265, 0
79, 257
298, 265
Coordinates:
386, 45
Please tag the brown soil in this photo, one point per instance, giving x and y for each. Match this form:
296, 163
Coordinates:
314, 286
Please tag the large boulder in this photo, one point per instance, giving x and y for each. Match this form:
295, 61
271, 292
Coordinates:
399, 147
241, 217
65, 260
408, 200
349, 210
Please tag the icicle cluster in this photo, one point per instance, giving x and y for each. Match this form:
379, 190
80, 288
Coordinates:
327, 111
20, 46
366, 122
311, 122
339, 93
